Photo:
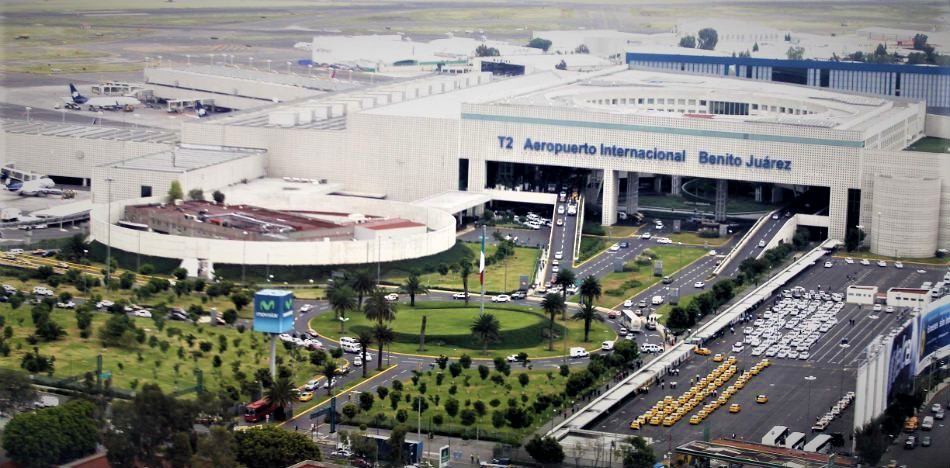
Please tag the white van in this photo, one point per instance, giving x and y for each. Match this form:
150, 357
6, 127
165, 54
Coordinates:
928, 423
578, 352
351, 347
657, 300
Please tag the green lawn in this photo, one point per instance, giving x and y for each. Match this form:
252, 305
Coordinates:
469, 387
447, 330
590, 246
145, 363
499, 277
673, 257
931, 145
692, 238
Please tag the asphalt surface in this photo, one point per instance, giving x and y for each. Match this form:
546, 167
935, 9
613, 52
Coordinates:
920, 455
793, 401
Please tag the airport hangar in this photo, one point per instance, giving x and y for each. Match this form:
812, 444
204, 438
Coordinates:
446, 143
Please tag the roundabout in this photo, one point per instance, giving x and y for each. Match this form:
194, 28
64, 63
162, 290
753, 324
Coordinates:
448, 330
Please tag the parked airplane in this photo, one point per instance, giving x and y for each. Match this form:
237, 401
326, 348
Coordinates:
76, 101
33, 188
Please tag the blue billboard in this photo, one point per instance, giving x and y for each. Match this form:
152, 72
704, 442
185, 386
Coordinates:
934, 328
273, 311
902, 365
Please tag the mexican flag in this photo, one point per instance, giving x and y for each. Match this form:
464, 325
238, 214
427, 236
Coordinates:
481, 264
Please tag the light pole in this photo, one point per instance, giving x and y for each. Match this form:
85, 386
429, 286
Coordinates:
250, 62
159, 60
268, 64
211, 57
109, 181
809, 379
310, 70
28, 109
288, 67
877, 230
188, 58
244, 258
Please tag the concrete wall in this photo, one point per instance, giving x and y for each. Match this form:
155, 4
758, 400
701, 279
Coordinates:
906, 216
937, 126
69, 157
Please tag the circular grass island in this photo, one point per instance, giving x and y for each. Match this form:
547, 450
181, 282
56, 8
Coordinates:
448, 330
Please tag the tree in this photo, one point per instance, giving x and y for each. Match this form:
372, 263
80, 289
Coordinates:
240, 299
383, 335
590, 291
378, 309
486, 51
119, 331
639, 454
145, 425
413, 286
175, 192
196, 194
755, 47
422, 333
916, 58
217, 448
75, 248
397, 443
552, 304
708, 37
16, 391
487, 328
688, 42
565, 278
52, 435
582, 49
365, 339
272, 446
281, 394
50, 330
217, 196
342, 299
920, 41
180, 274
795, 53
329, 371
871, 442
538, 43
362, 282
545, 450
179, 453
679, 319
465, 269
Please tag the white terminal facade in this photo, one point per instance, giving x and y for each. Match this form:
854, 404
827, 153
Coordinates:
414, 140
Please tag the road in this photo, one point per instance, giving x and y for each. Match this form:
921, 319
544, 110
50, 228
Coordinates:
793, 401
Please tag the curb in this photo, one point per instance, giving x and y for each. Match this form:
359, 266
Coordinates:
340, 391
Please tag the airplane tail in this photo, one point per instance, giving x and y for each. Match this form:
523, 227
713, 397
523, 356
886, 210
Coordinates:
74, 94
200, 110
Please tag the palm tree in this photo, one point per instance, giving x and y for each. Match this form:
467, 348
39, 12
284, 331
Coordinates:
378, 309
465, 268
383, 335
329, 372
342, 298
590, 291
365, 340
281, 394
552, 304
565, 278
362, 282
413, 286
488, 328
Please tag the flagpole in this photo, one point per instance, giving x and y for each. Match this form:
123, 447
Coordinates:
481, 265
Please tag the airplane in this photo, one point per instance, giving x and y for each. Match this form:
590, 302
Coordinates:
33, 188
76, 101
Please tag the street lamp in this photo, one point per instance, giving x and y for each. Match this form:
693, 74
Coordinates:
288, 67
809, 379
28, 109
250, 62
310, 70
211, 56
268, 64
159, 60
244, 259
188, 58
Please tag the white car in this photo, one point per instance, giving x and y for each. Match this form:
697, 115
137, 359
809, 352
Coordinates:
657, 300
560, 222
898, 265
699, 284
664, 240
327, 383
881, 263
738, 347
501, 298
555, 269
66, 305
607, 346
306, 308
142, 313
628, 303
358, 361
9, 289
889, 310
761, 244
556, 262
104, 304
560, 210
558, 255
512, 358
623, 331
849, 260
877, 307
460, 295
392, 297
828, 264
285, 337
803, 356
646, 236
865, 262
311, 385
775, 216
615, 248
42, 291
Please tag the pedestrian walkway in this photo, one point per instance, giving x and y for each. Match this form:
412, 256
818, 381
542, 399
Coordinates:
463, 452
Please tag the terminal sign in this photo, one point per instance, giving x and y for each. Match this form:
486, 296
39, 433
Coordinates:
655, 154
273, 311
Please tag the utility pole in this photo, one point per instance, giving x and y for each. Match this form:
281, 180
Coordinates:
109, 181
482, 274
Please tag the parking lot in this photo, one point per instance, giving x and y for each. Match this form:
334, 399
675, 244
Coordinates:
799, 391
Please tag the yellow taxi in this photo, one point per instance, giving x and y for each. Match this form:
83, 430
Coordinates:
702, 413
761, 399
718, 358
765, 363
635, 425
755, 370
667, 399
735, 408
305, 396
695, 419
344, 367
669, 421
702, 351
722, 400
655, 421
739, 385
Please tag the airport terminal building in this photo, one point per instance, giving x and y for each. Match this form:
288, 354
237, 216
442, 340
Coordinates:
471, 137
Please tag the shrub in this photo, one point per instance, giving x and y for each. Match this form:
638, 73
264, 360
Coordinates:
523, 379
483, 371
451, 407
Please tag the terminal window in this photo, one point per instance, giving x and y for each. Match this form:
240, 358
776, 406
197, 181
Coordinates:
145, 191
728, 108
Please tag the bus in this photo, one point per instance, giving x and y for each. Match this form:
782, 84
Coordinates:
776, 436
258, 410
795, 441
820, 444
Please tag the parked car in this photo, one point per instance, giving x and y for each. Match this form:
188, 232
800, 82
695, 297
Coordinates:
501, 298
66, 305
392, 297
306, 308
460, 295
518, 295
